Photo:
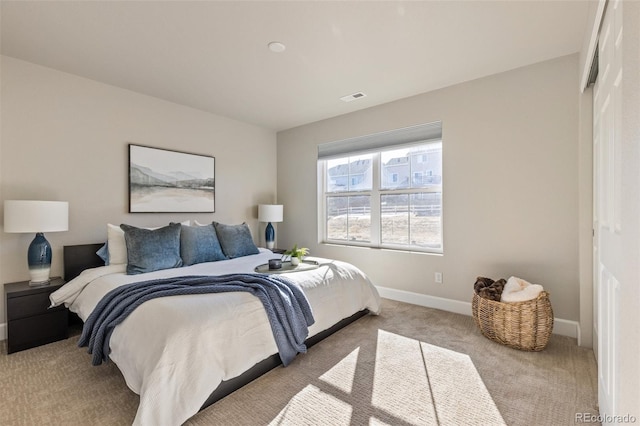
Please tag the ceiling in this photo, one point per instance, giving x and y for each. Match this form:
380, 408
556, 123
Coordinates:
213, 55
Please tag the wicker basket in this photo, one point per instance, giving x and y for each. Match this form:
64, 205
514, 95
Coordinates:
520, 325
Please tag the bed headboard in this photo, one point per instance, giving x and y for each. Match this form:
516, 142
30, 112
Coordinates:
80, 257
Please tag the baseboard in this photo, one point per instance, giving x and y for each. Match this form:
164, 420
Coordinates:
3, 331
560, 326
565, 327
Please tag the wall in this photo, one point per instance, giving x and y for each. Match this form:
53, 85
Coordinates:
511, 191
66, 138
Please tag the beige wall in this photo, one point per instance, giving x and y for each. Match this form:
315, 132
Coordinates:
65, 138
511, 191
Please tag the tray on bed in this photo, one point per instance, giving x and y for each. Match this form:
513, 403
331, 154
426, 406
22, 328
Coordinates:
287, 267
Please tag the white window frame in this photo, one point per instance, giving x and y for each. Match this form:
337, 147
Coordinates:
375, 193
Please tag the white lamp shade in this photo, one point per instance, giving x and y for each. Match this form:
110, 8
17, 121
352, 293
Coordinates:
35, 216
270, 212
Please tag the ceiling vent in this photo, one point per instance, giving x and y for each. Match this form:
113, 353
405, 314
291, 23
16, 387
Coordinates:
352, 97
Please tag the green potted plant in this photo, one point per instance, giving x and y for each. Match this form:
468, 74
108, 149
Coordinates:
296, 254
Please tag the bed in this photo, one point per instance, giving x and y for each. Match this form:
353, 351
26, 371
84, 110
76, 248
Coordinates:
183, 353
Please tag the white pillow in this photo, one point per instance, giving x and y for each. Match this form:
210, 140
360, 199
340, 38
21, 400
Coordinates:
196, 223
117, 245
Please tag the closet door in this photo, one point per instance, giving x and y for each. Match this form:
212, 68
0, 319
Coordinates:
607, 244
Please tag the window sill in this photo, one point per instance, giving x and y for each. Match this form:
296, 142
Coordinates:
383, 248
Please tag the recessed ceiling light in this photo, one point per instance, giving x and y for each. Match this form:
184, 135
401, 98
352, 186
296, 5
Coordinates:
353, 97
277, 47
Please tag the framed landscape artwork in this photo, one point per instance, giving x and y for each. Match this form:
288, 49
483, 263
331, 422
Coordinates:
165, 181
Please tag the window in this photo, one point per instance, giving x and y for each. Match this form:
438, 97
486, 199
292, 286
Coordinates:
390, 197
417, 178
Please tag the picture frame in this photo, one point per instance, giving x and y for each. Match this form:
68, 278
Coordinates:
168, 181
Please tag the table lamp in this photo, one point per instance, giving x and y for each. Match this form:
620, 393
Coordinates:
22, 216
270, 213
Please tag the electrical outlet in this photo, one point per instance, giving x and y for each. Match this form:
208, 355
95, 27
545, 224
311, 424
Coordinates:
438, 277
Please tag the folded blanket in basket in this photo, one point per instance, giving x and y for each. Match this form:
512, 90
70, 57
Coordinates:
488, 288
519, 290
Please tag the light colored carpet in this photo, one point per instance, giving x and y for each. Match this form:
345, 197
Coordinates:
409, 366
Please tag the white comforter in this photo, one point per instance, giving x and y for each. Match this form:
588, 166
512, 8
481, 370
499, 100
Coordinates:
175, 351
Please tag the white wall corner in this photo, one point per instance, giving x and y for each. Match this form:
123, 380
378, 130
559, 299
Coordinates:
560, 326
3, 331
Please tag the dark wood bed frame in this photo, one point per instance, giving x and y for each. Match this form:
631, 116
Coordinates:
77, 258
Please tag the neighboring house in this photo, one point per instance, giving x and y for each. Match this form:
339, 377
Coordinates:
417, 169
355, 175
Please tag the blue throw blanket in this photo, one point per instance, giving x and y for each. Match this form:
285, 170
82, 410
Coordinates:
286, 305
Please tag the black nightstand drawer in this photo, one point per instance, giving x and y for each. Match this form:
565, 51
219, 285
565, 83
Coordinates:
30, 322
37, 330
26, 306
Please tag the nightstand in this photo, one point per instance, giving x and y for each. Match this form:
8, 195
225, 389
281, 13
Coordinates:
30, 322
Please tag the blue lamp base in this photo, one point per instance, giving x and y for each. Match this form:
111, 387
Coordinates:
270, 236
39, 260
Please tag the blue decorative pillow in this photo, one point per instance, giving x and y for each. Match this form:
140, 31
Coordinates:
152, 249
236, 240
103, 253
200, 244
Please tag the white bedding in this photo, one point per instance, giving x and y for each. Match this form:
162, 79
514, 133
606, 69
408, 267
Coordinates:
175, 351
